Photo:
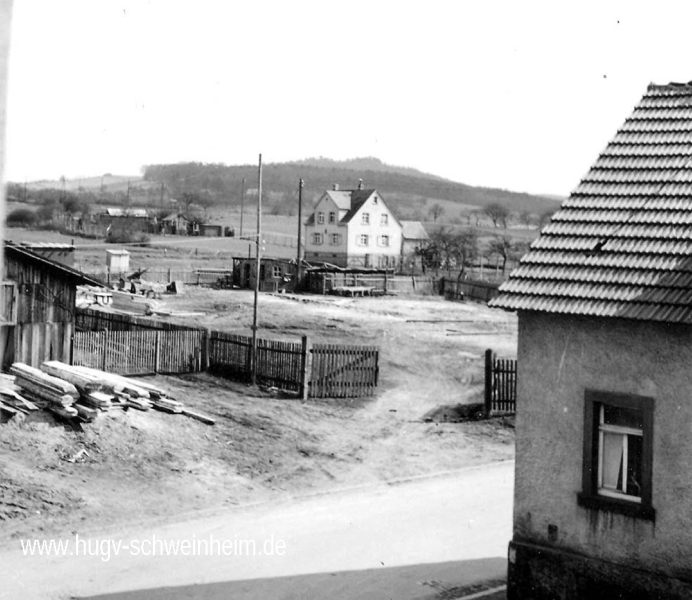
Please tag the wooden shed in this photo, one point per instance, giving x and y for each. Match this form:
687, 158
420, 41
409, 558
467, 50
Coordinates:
38, 307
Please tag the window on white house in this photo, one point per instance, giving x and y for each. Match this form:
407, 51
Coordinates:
384, 219
618, 453
336, 239
363, 240
365, 220
320, 218
384, 240
332, 217
276, 271
317, 238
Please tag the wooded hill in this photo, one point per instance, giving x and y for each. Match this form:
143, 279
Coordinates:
407, 190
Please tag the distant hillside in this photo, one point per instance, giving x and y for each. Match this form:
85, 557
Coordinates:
408, 191
369, 163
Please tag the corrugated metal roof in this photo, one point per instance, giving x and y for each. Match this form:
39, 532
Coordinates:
621, 245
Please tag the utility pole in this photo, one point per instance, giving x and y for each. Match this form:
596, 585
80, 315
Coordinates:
162, 195
242, 208
300, 231
257, 271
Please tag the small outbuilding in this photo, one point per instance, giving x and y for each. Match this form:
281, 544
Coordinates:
38, 307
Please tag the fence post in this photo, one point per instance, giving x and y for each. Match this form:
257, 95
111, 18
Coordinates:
105, 349
306, 366
157, 352
488, 382
206, 349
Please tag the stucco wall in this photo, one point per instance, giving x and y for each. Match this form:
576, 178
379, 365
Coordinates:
560, 357
374, 230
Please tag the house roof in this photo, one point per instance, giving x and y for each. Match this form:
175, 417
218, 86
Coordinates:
349, 200
358, 198
127, 212
174, 217
621, 244
414, 230
25, 255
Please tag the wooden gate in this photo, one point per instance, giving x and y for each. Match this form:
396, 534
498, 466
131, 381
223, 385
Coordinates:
343, 371
500, 384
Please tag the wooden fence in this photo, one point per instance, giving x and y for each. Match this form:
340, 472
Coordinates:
467, 289
279, 364
500, 384
137, 346
139, 352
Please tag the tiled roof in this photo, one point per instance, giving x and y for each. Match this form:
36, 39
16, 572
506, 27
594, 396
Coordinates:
621, 244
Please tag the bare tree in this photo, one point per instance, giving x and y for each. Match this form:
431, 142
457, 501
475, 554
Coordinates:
436, 211
498, 213
526, 218
449, 249
506, 248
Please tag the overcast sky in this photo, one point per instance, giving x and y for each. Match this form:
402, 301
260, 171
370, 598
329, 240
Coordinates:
510, 94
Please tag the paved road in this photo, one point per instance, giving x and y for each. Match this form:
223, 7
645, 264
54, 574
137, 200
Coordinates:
408, 540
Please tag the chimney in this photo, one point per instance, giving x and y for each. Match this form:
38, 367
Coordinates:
336, 187
360, 184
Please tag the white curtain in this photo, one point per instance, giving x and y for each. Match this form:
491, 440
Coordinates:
613, 455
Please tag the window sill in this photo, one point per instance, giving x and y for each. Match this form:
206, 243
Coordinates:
623, 507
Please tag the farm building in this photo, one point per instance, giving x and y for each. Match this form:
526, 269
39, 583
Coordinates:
413, 239
174, 224
603, 488
38, 307
275, 273
117, 261
210, 230
125, 219
353, 228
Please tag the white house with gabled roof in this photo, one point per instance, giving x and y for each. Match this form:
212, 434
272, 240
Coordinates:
353, 228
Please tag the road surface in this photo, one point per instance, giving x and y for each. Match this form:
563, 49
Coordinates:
405, 540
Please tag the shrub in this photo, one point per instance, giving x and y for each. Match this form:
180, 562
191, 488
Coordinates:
21, 217
127, 237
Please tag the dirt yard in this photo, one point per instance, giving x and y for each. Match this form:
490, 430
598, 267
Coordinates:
149, 466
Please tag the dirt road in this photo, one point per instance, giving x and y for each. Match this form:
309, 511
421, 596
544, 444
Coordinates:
375, 531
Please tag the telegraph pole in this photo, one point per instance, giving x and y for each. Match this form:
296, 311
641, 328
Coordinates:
257, 271
242, 208
300, 231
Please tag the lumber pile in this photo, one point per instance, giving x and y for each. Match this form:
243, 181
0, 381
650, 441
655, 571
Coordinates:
11, 401
59, 394
82, 392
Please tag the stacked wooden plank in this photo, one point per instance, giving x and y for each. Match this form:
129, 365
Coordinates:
82, 392
11, 402
59, 394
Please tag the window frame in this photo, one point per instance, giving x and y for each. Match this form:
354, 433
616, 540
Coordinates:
320, 218
317, 239
332, 217
384, 219
335, 239
365, 218
363, 239
384, 238
591, 496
